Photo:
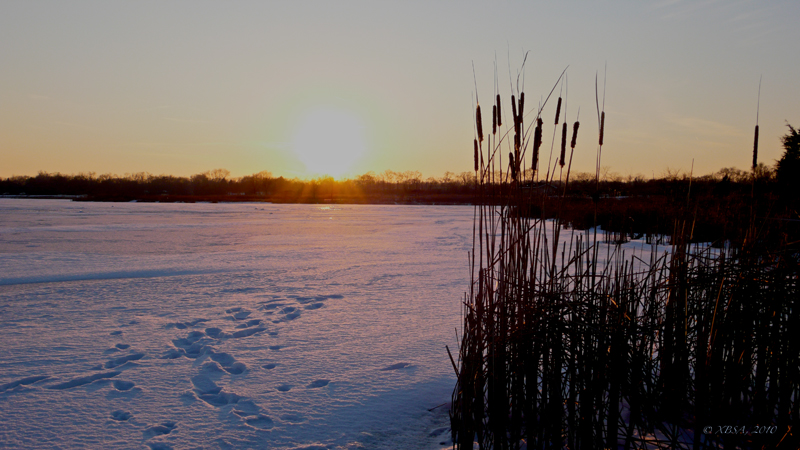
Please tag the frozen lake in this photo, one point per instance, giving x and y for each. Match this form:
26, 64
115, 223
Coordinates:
228, 325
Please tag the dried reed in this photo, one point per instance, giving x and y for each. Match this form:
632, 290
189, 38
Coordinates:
573, 343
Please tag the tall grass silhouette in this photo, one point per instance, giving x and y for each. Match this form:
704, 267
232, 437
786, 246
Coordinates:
572, 340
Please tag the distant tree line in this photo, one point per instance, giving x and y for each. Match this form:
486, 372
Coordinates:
781, 183
220, 185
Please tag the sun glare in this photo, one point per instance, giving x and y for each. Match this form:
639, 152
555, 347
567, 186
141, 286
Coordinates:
329, 141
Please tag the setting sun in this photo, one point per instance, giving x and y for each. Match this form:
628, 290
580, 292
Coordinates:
329, 141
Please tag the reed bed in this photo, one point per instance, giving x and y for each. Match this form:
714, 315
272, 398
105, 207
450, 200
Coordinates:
571, 341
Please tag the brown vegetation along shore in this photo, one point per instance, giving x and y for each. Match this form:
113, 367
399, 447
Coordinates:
631, 207
569, 342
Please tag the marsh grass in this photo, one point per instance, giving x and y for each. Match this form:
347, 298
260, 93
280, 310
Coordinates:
571, 341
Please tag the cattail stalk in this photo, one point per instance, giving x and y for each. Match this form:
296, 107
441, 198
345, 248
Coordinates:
475, 142
755, 150
563, 143
558, 110
479, 123
602, 126
499, 117
514, 109
537, 142
574, 134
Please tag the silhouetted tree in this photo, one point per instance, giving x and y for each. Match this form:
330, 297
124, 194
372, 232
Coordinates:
788, 168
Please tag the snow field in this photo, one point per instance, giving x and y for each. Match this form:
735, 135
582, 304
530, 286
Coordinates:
227, 326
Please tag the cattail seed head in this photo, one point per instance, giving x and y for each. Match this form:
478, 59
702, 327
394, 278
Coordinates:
521, 105
514, 108
537, 136
558, 110
479, 123
494, 119
602, 126
563, 143
755, 150
513, 165
499, 118
537, 142
475, 145
574, 134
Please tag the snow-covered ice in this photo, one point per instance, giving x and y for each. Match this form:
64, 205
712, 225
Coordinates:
228, 325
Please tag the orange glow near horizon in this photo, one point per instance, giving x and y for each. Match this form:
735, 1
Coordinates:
305, 90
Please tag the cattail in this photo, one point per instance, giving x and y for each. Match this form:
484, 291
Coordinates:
558, 110
563, 143
514, 116
494, 119
602, 126
499, 118
537, 136
574, 134
479, 123
513, 165
475, 142
514, 109
537, 142
521, 105
755, 150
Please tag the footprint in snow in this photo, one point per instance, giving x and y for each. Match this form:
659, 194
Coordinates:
247, 332
284, 387
120, 415
318, 384
121, 385
159, 446
238, 313
397, 366
185, 325
260, 422
22, 382
159, 430
228, 362
209, 392
213, 332
249, 323
123, 359
84, 380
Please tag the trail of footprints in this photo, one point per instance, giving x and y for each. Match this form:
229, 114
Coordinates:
200, 345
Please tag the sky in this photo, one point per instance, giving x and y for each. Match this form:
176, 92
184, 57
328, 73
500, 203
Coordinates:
306, 88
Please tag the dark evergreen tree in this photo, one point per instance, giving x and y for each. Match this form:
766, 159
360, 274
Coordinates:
788, 168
